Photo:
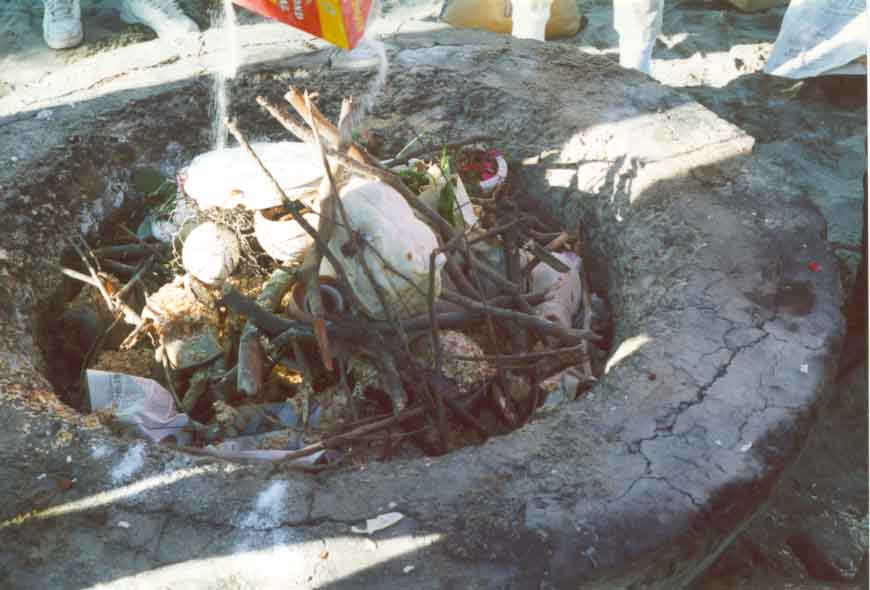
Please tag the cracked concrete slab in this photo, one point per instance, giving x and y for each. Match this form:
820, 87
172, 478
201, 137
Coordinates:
640, 484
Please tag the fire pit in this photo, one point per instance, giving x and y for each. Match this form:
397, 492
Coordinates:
725, 302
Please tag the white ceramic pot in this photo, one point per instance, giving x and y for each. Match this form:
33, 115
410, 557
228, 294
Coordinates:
211, 253
283, 239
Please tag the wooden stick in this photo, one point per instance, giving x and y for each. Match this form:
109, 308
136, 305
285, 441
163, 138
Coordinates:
341, 439
251, 357
298, 101
74, 274
567, 335
520, 358
554, 244
91, 355
395, 182
510, 244
491, 233
585, 359
493, 275
154, 249
450, 146
123, 251
501, 374
294, 208
116, 307
316, 120
198, 386
284, 117
118, 268
170, 382
107, 299
356, 161
251, 362
325, 227
433, 317
543, 255
119, 296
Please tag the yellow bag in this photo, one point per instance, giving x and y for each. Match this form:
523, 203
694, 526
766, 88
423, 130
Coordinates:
495, 15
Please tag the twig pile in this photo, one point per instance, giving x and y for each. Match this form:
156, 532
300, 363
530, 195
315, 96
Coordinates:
523, 347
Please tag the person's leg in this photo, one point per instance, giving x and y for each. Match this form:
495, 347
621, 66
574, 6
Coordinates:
62, 23
530, 19
638, 23
163, 16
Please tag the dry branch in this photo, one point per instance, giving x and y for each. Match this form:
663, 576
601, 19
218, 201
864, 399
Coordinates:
250, 364
545, 327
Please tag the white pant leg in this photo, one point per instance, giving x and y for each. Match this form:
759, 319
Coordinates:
638, 23
530, 18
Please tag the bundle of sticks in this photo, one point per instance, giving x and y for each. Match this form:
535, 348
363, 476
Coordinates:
417, 389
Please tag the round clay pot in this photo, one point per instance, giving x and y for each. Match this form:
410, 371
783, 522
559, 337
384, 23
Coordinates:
211, 253
281, 237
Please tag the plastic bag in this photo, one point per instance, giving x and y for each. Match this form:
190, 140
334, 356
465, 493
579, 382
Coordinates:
564, 289
638, 23
820, 37
496, 16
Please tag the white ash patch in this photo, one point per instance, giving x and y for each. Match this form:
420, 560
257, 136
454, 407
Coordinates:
130, 463
269, 508
261, 537
100, 451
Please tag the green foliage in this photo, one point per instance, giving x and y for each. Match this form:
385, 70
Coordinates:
447, 197
147, 180
414, 179
160, 192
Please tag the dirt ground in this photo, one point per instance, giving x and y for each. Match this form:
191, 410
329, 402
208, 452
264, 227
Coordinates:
815, 533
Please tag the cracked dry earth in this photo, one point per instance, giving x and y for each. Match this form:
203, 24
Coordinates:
725, 347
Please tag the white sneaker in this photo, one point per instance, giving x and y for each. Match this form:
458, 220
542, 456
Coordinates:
62, 23
163, 16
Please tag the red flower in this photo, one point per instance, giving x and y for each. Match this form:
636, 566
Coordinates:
814, 266
485, 164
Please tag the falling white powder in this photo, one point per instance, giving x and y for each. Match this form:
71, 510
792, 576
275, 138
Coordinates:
224, 21
364, 105
130, 463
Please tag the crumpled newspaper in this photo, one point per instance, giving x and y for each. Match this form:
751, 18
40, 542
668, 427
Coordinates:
139, 405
